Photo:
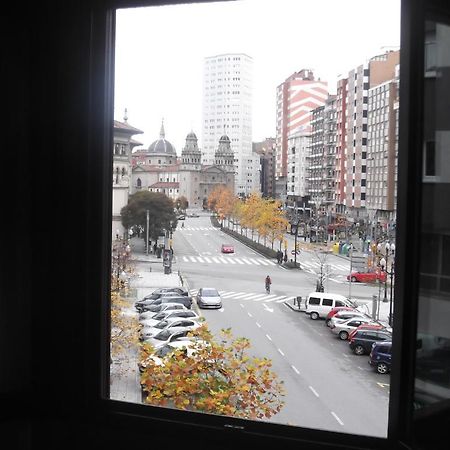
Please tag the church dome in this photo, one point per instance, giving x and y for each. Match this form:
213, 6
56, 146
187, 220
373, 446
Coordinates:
162, 146
191, 135
224, 138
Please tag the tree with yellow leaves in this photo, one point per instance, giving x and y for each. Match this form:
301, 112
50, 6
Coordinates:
217, 377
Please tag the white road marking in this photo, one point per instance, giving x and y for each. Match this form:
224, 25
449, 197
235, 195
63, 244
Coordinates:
246, 262
314, 391
238, 260
267, 308
264, 263
295, 370
280, 352
268, 337
258, 325
337, 418
254, 261
250, 314
275, 298
223, 260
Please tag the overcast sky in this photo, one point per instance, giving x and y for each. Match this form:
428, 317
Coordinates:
160, 53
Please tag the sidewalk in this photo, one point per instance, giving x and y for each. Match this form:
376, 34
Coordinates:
149, 275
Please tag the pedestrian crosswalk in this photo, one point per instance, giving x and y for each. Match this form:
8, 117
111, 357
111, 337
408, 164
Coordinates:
231, 260
250, 296
309, 266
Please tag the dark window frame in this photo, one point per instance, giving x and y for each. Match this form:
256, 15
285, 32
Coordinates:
401, 423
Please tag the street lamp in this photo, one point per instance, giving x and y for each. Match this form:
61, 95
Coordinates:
389, 250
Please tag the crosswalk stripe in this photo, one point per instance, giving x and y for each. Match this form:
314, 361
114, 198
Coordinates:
233, 295
192, 258
185, 259
200, 259
286, 299
207, 259
264, 263
215, 259
231, 261
260, 297
275, 298
238, 260
223, 260
246, 262
254, 297
247, 296
254, 261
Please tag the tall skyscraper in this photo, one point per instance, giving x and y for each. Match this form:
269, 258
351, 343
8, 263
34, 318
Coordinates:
297, 96
227, 109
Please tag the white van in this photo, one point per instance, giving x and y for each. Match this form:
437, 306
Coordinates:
319, 304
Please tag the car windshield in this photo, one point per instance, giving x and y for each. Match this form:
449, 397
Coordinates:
162, 335
162, 324
209, 293
160, 316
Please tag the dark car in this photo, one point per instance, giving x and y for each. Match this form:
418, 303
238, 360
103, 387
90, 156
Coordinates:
361, 342
155, 305
161, 291
380, 356
151, 298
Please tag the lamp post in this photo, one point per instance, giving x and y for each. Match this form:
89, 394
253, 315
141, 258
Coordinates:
389, 250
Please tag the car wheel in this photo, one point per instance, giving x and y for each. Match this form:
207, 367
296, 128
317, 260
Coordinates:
314, 316
359, 350
328, 322
343, 335
354, 280
382, 368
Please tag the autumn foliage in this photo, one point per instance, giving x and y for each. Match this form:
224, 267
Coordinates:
219, 377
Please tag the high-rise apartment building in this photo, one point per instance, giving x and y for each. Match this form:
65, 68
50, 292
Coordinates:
297, 96
382, 151
341, 145
266, 152
377, 70
227, 109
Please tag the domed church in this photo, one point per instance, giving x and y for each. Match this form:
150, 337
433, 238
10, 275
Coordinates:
158, 169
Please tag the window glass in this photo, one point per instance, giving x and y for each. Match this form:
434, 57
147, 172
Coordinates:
432, 376
189, 184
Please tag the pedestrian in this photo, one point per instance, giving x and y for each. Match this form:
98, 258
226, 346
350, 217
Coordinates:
155, 246
285, 257
268, 282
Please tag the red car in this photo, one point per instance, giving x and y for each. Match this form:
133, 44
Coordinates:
226, 248
335, 310
367, 277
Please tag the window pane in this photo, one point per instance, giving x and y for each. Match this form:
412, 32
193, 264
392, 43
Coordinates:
208, 198
432, 382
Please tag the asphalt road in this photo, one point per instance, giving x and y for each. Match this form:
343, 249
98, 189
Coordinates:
327, 386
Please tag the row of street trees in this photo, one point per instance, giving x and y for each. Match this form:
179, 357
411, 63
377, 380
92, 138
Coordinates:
263, 216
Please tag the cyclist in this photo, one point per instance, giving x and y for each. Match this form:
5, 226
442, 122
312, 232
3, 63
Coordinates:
268, 283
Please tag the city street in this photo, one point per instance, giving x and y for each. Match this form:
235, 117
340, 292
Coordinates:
327, 386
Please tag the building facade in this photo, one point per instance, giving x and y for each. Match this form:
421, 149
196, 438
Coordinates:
266, 152
296, 97
227, 110
123, 146
377, 70
158, 169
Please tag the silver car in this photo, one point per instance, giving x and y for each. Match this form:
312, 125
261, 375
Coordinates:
174, 322
209, 298
343, 329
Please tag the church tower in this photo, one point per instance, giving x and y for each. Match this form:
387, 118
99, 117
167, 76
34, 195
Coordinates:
191, 156
224, 155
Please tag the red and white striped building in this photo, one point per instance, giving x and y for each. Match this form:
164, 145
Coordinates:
296, 98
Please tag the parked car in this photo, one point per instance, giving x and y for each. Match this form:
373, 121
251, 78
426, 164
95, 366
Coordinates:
175, 322
227, 248
158, 357
176, 290
342, 316
319, 304
361, 342
180, 314
151, 298
370, 326
367, 277
162, 307
343, 329
380, 356
154, 306
165, 307
181, 217
335, 310
168, 335
209, 298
